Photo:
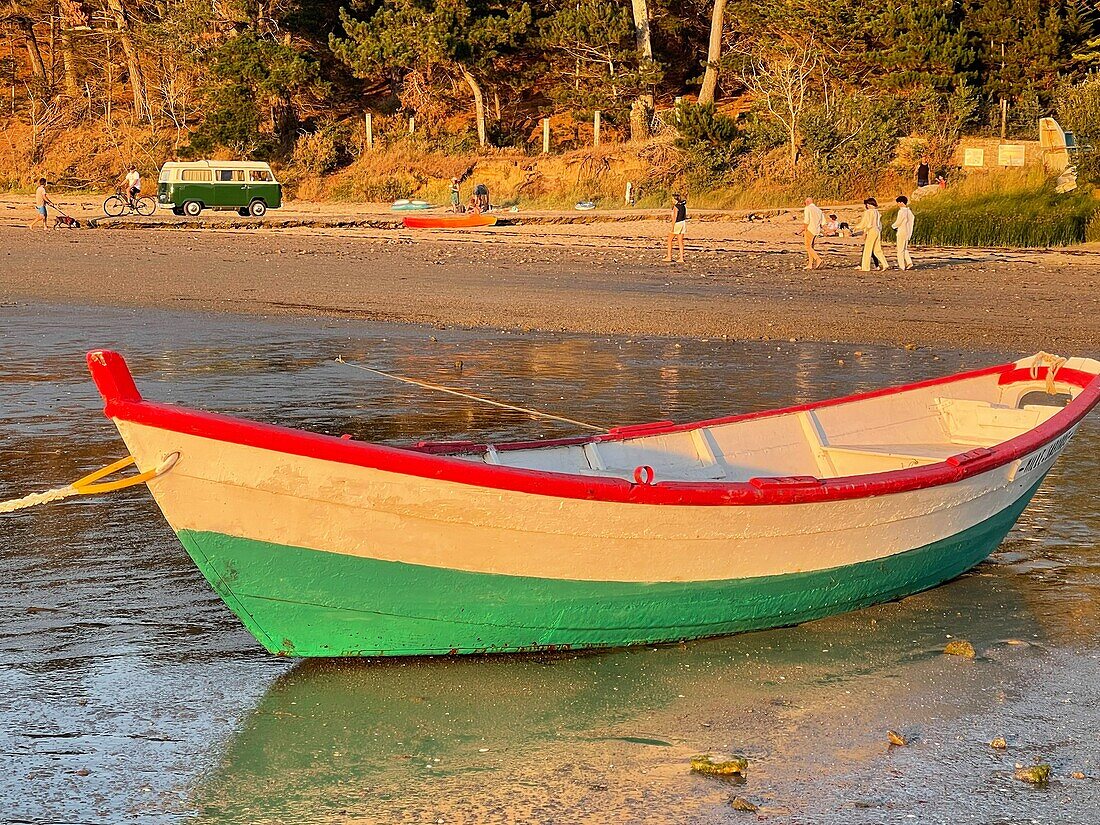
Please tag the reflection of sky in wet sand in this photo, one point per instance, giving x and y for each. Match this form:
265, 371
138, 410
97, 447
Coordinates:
117, 659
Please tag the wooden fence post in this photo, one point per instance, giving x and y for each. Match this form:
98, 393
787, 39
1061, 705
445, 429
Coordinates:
368, 125
546, 136
596, 128
412, 124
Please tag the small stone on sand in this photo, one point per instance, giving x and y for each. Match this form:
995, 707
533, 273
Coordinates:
1036, 774
960, 647
999, 743
896, 738
739, 803
730, 767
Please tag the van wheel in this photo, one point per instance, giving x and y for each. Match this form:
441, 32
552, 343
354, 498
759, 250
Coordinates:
257, 209
177, 210
192, 208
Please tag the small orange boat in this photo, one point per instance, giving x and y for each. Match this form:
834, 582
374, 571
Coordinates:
464, 220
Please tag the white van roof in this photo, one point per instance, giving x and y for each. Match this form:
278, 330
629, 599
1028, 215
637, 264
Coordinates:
216, 164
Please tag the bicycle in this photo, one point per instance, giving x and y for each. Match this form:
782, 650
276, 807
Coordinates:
119, 204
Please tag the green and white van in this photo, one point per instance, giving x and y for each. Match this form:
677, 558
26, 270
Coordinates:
246, 186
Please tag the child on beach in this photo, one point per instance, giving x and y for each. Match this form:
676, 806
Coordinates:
871, 228
679, 225
834, 227
812, 219
41, 200
456, 198
904, 226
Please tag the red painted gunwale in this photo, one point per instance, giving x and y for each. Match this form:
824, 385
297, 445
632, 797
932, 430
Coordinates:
124, 402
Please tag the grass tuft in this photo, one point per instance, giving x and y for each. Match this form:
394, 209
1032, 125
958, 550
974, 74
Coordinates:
1017, 208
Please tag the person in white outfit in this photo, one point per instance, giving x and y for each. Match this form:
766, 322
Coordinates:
904, 226
871, 228
132, 184
812, 218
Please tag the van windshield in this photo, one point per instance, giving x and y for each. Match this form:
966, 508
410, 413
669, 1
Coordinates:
164, 175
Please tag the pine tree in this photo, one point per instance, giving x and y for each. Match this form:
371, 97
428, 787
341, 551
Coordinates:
923, 46
591, 61
467, 38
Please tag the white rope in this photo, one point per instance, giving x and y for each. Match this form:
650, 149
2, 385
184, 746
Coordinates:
35, 499
439, 388
1053, 363
87, 485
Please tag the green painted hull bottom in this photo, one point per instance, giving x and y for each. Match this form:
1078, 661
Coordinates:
300, 602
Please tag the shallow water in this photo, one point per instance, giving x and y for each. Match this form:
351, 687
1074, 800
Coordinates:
131, 694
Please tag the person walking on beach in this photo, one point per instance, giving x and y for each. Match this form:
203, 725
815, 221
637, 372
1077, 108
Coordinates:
871, 227
812, 219
679, 225
924, 172
904, 226
41, 201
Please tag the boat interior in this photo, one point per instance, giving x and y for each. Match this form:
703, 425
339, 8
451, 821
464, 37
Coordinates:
894, 430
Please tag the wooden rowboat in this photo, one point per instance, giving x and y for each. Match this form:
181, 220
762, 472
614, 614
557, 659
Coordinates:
464, 220
644, 534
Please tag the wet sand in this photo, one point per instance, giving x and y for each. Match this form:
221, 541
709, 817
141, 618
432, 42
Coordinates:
744, 279
132, 694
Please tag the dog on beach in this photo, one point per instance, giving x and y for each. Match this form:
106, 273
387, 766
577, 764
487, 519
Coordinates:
65, 222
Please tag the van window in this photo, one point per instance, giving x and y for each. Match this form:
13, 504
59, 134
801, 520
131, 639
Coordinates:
230, 175
165, 176
260, 176
195, 174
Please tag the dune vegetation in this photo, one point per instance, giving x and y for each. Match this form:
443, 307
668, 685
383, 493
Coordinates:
1012, 208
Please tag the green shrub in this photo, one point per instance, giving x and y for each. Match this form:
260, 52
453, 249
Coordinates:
323, 150
851, 140
711, 138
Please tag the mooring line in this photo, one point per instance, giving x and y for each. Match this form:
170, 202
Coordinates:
88, 486
481, 399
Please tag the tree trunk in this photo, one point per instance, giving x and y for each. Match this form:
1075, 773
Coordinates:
641, 27
714, 53
640, 125
639, 120
72, 86
479, 104
133, 62
38, 68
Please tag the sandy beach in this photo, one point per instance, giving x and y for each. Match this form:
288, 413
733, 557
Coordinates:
744, 277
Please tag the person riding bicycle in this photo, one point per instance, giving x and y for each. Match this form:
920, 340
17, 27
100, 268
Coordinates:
133, 186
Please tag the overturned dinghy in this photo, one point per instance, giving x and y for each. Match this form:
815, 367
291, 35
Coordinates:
645, 534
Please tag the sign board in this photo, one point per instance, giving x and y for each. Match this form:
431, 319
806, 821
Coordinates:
974, 156
1010, 154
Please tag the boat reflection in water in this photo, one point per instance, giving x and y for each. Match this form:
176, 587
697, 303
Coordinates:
518, 738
